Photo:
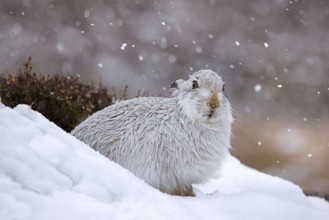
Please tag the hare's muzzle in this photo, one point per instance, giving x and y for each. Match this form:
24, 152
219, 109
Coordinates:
213, 101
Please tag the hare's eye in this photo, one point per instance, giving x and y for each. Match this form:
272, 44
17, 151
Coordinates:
173, 85
223, 88
195, 84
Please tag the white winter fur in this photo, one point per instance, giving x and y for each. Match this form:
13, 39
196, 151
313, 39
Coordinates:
170, 143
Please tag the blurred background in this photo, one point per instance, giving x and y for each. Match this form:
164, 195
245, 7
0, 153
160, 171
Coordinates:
273, 56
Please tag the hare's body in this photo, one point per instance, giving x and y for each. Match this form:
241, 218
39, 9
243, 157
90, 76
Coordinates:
160, 140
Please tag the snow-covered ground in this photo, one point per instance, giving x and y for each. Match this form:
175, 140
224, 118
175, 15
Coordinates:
47, 174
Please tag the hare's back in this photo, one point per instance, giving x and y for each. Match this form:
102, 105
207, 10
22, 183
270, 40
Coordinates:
125, 118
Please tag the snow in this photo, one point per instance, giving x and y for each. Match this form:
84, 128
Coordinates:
309, 155
123, 46
258, 88
198, 49
46, 173
172, 59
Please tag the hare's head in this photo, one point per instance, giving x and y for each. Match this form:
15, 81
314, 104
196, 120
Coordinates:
202, 97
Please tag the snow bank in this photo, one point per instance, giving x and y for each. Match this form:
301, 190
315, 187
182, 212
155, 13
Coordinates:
46, 173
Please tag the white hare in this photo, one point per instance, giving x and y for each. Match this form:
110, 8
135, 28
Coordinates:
171, 143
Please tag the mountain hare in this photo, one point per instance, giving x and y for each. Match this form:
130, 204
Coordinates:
171, 143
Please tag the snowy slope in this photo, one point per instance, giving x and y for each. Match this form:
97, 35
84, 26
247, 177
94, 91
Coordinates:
47, 174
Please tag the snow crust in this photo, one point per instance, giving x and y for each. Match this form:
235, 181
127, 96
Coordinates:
46, 173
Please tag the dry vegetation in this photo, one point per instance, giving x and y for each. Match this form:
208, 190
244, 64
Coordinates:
62, 99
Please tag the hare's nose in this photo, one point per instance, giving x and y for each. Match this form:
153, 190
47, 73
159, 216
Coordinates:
213, 101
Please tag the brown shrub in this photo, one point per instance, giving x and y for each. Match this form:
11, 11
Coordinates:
62, 99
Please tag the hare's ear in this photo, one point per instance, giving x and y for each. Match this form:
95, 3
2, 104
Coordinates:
175, 86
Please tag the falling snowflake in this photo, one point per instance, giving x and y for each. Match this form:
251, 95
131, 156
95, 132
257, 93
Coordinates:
86, 14
258, 88
198, 50
172, 59
123, 46
60, 47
